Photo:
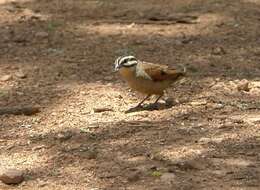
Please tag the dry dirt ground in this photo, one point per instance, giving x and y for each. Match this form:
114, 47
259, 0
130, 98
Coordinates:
58, 55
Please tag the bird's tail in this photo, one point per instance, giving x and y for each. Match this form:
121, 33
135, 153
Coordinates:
175, 74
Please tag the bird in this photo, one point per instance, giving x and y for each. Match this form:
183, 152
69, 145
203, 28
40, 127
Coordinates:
147, 78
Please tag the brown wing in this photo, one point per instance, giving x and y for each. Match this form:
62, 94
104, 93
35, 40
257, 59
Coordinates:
160, 72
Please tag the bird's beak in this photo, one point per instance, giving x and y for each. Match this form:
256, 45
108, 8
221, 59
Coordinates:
117, 67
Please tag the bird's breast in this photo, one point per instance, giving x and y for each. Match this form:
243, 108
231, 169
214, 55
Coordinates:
143, 84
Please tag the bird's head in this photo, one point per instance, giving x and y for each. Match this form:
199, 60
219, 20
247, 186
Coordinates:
125, 62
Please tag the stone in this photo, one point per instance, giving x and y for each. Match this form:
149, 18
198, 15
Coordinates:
89, 154
134, 176
99, 110
20, 74
218, 106
42, 183
5, 78
131, 25
64, 136
187, 165
10, 8
170, 102
42, 34
168, 178
38, 147
11, 176
20, 39
205, 140
218, 51
219, 173
108, 78
243, 86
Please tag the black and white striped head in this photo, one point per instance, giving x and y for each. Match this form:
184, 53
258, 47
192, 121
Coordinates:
125, 61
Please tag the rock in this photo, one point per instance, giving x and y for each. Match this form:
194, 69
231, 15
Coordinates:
36, 17
199, 103
5, 78
108, 78
20, 39
11, 176
218, 51
19, 110
99, 110
42, 184
205, 140
89, 154
170, 102
168, 178
131, 25
253, 118
187, 165
243, 86
134, 176
218, 106
20, 74
64, 136
38, 147
219, 173
227, 125
6, 39
10, 8
42, 34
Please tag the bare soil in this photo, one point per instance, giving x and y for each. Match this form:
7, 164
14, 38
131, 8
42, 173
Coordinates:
58, 56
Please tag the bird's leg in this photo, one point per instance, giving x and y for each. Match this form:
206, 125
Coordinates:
155, 106
157, 99
148, 96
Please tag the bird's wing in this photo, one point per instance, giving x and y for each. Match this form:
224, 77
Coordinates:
159, 72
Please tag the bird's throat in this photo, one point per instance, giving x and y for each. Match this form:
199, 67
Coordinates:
127, 73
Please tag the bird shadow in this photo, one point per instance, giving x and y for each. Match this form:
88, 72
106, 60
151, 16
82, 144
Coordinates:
150, 107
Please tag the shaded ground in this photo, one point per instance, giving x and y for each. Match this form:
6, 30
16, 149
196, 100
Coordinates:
209, 140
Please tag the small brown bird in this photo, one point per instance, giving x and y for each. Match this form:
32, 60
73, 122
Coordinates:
147, 78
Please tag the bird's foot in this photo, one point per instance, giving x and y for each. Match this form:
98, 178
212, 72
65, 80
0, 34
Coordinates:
137, 108
154, 106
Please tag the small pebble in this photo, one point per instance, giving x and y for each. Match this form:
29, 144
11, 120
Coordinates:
134, 176
20, 74
168, 178
41, 34
218, 51
99, 110
5, 78
243, 86
11, 176
64, 136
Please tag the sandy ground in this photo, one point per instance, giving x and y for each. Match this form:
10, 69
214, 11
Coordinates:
58, 55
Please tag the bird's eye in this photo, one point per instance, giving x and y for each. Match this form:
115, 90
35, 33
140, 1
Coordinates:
132, 59
125, 61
